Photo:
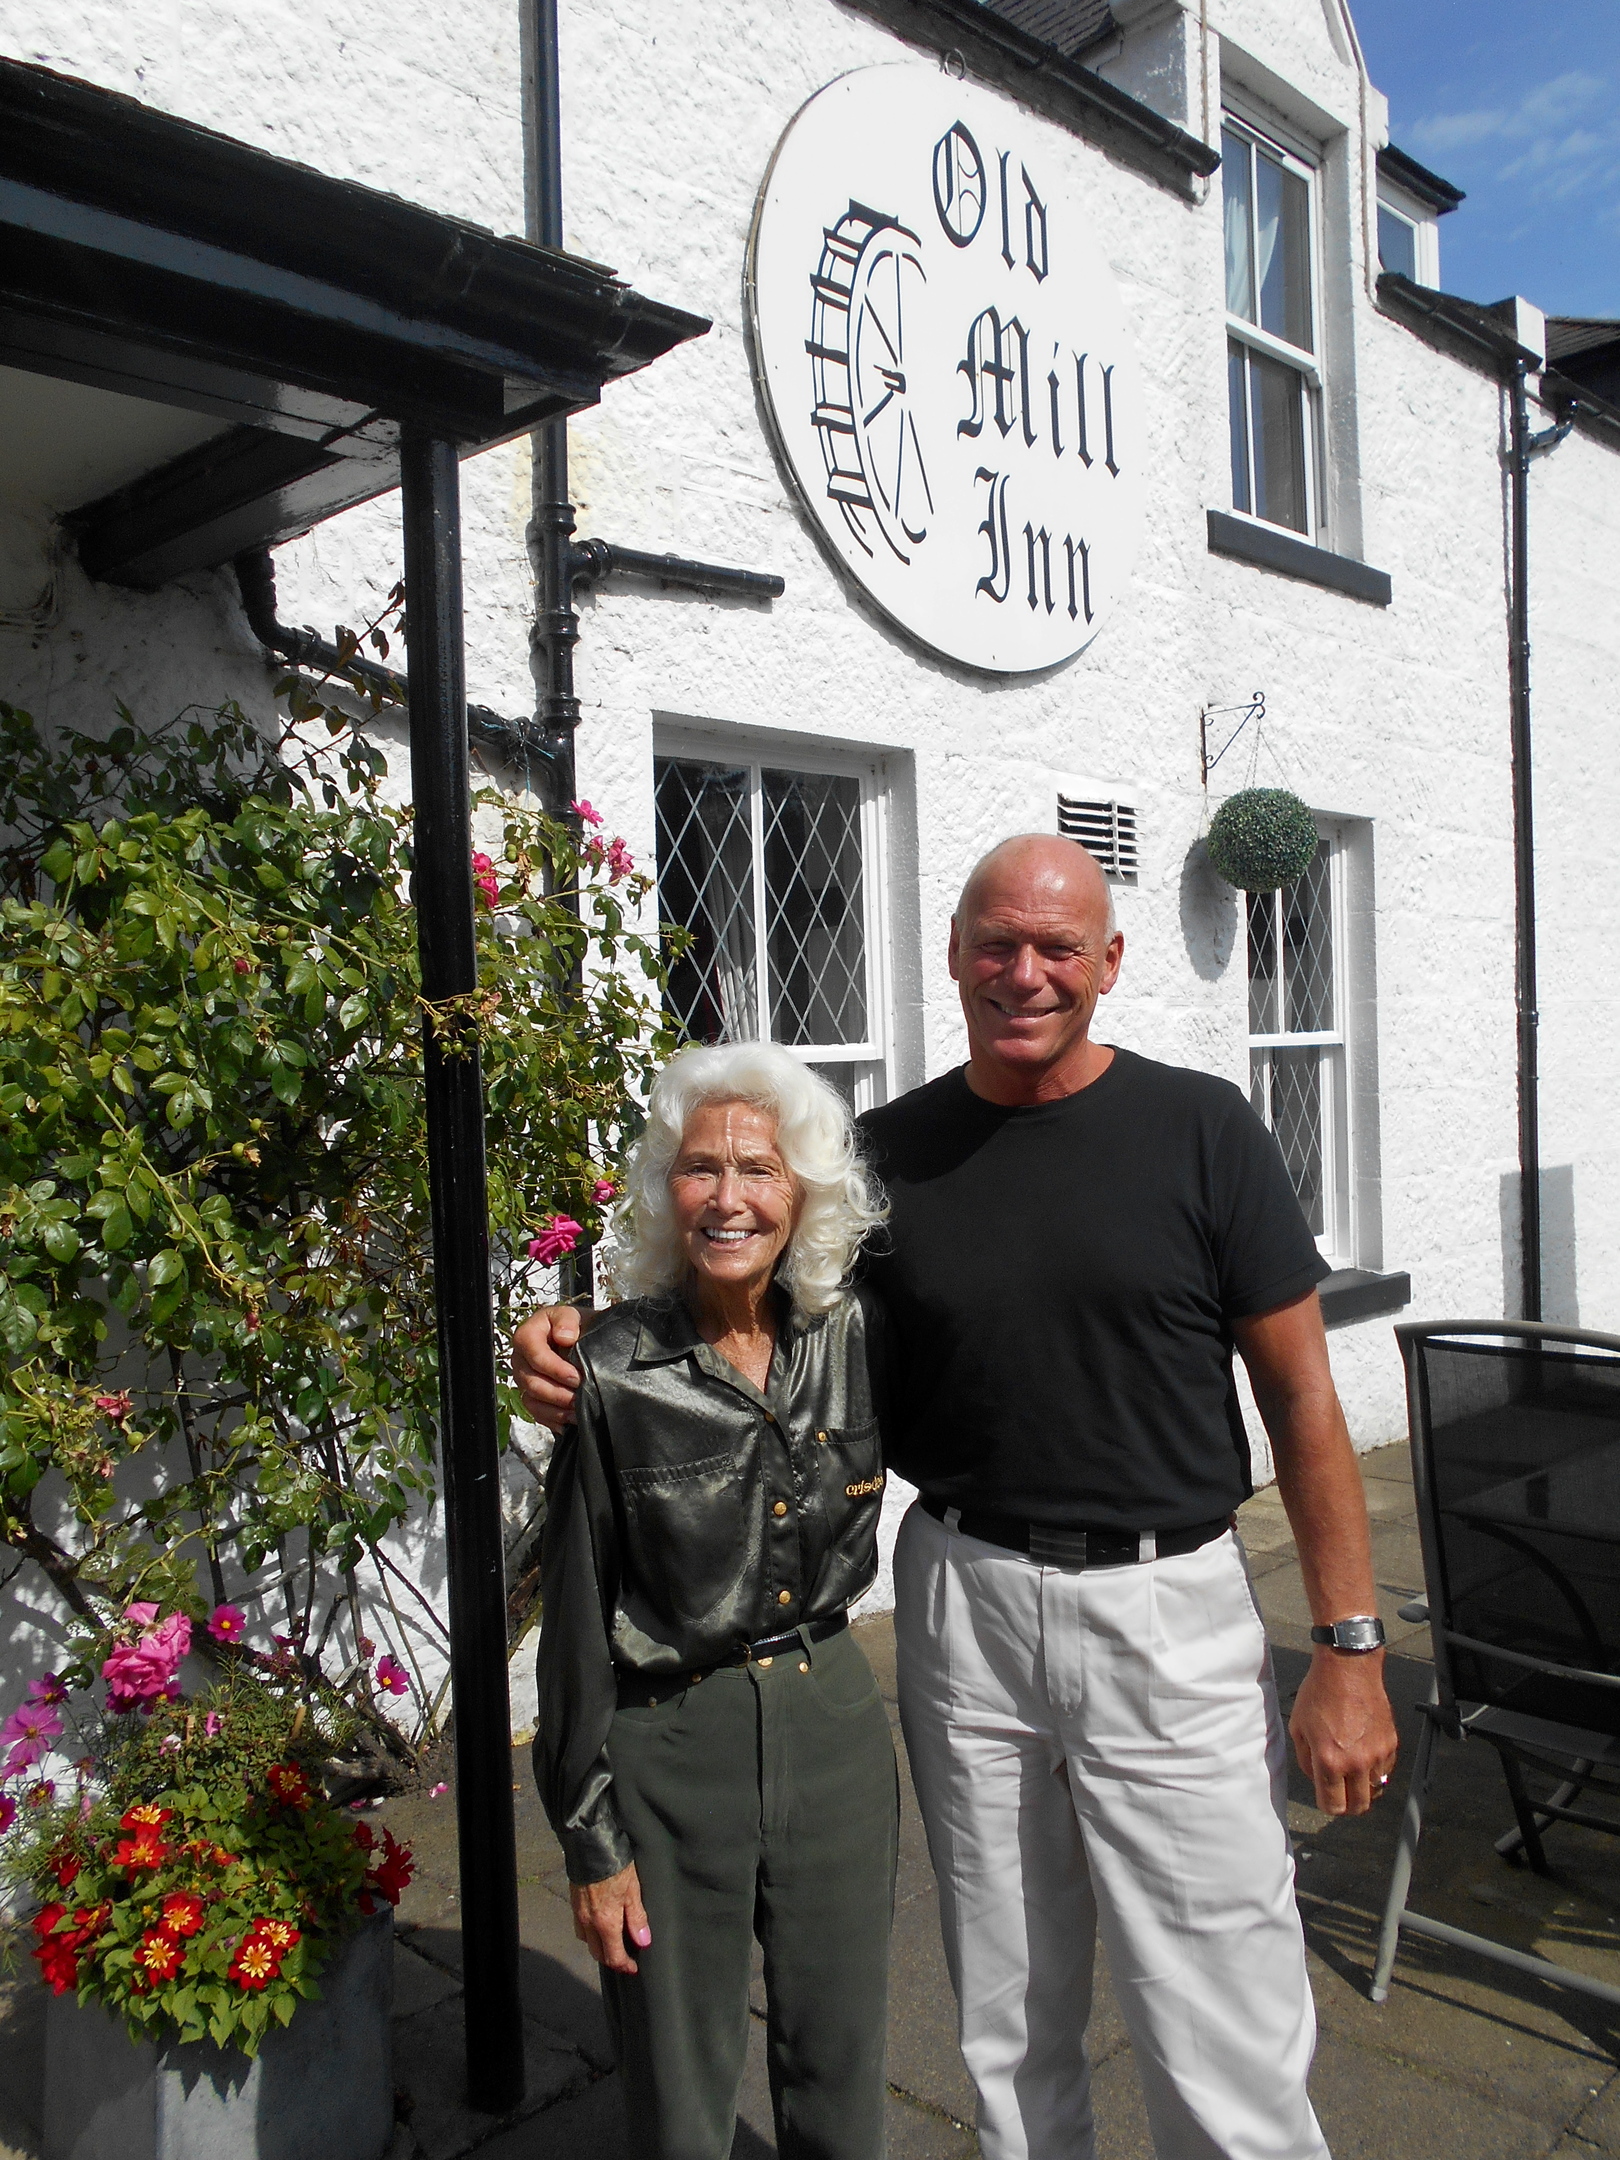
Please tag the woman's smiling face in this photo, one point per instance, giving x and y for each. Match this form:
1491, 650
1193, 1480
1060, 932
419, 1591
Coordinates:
735, 1199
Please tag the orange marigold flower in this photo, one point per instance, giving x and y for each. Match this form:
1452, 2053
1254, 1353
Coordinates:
183, 1912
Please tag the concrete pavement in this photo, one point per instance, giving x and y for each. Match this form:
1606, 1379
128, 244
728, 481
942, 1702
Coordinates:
1466, 2061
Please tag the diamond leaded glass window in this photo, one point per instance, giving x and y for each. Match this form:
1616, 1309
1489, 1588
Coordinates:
766, 867
1296, 1040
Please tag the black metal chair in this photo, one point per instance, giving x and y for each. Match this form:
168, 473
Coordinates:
1516, 1466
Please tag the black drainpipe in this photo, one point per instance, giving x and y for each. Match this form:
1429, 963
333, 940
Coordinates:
556, 629
1522, 447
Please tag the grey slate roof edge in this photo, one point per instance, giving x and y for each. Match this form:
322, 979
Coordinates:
1405, 172
1068, 26
1168, 152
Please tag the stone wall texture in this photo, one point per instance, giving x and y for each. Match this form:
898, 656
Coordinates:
1394, 719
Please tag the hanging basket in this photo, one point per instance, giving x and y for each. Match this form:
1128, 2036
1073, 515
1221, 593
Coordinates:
1262, 838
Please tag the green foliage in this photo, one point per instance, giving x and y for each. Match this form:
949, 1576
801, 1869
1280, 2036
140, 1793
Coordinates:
214, 1207
200, 1886
1262, 838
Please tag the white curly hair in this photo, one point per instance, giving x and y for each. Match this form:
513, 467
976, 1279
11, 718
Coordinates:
815, 1134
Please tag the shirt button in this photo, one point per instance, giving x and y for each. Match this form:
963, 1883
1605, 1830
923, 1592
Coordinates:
762, 1661
770, 1417
822, 1437
780, 1508
784, 1597
803, 1667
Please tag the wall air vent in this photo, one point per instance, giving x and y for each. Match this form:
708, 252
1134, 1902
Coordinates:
1106, 830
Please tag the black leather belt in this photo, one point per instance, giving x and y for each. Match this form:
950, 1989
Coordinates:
1073, 1548
647, 1694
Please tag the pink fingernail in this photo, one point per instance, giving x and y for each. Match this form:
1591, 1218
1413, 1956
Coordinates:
642, 1937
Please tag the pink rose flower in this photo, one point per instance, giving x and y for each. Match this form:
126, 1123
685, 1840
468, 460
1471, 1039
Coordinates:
614, 855
603, 1191
585, 814
559, 1237
227, 1623
485, 880
392, 1677
115, 1408
145, 1671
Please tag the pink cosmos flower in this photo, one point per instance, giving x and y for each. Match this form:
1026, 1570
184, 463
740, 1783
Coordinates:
48, 1688
485, 880
226, 1623
391, 1677
115, 1408
559, 1236
145, 1671
28, 1732
603, 1191
585, 814
8, 1812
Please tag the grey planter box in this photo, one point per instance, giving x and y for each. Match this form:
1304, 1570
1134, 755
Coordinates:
322, 2088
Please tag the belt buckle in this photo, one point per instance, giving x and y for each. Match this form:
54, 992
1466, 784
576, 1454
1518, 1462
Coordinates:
1065, 1549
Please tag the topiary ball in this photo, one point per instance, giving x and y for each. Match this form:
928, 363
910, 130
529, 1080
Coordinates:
1262, 838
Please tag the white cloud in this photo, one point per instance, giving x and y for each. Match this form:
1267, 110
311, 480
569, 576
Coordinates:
1562, 138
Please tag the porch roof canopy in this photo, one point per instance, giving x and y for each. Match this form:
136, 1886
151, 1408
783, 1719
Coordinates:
291, 325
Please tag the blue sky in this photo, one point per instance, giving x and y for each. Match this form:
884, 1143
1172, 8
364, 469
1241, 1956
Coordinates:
1518, 101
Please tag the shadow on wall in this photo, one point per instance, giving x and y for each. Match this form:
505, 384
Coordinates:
1209, 914
1560, 1289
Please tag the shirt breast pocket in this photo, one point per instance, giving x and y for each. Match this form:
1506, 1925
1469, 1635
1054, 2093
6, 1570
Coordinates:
681, 1531
849, 1459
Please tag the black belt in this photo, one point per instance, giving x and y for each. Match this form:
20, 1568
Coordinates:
647, 1693
1073, 1548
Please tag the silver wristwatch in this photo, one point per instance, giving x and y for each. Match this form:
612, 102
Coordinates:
1360, 1633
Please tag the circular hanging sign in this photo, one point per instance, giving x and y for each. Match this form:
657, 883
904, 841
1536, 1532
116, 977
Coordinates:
948, 367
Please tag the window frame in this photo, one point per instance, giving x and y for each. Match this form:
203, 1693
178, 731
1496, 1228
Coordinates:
759, 751
1338, 1239
1425, 232
1264, 139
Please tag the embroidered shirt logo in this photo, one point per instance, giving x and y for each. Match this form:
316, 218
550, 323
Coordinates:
865, 1485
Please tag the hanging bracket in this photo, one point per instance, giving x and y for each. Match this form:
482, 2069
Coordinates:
1254, 710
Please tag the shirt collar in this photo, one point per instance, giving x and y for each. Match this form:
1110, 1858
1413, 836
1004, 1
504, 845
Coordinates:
668, 1330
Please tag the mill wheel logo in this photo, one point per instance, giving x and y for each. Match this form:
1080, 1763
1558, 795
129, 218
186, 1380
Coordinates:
947, 365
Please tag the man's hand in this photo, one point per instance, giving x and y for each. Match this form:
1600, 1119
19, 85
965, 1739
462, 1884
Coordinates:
609, 1916
546, 1380
1343, 1733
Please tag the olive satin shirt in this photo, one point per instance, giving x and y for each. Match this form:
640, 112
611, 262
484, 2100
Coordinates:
690, 1515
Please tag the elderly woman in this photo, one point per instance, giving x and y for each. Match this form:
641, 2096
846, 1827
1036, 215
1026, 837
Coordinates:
711, 1745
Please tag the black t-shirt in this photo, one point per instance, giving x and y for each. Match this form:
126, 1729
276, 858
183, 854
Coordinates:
1062, 1282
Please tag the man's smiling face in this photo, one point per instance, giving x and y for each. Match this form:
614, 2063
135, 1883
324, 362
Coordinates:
1032, 950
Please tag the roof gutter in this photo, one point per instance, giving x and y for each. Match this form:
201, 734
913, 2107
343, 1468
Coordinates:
1128, 116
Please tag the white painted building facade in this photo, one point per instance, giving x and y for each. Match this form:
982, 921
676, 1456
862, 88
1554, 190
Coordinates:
828, 755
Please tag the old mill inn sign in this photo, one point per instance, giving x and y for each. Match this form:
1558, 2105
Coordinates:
948, 368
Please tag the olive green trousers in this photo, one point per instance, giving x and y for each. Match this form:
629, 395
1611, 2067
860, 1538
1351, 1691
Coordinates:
761, 1802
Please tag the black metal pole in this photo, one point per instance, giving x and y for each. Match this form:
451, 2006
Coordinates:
1524, 854
440, 786
556, 629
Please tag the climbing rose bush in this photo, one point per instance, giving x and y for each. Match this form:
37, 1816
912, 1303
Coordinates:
220, 1376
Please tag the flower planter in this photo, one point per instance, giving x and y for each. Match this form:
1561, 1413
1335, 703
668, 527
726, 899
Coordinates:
322, 2087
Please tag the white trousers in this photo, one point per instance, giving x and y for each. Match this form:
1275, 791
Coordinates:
1105, 1749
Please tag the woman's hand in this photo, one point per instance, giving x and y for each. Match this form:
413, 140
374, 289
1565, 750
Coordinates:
607, 1915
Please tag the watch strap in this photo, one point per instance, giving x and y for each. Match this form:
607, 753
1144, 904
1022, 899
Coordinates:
1357, 1634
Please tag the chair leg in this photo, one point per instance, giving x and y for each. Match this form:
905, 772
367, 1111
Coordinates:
1512, 1841
1529, 1829
1400, 1875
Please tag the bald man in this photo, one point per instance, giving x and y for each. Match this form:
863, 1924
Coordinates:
1079, 1238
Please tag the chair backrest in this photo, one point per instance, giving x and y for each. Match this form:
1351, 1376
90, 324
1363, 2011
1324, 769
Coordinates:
1516, 1466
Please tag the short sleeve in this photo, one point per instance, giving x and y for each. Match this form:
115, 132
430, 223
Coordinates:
1265, 1254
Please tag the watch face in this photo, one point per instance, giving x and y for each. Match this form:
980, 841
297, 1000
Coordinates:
1359, 1634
